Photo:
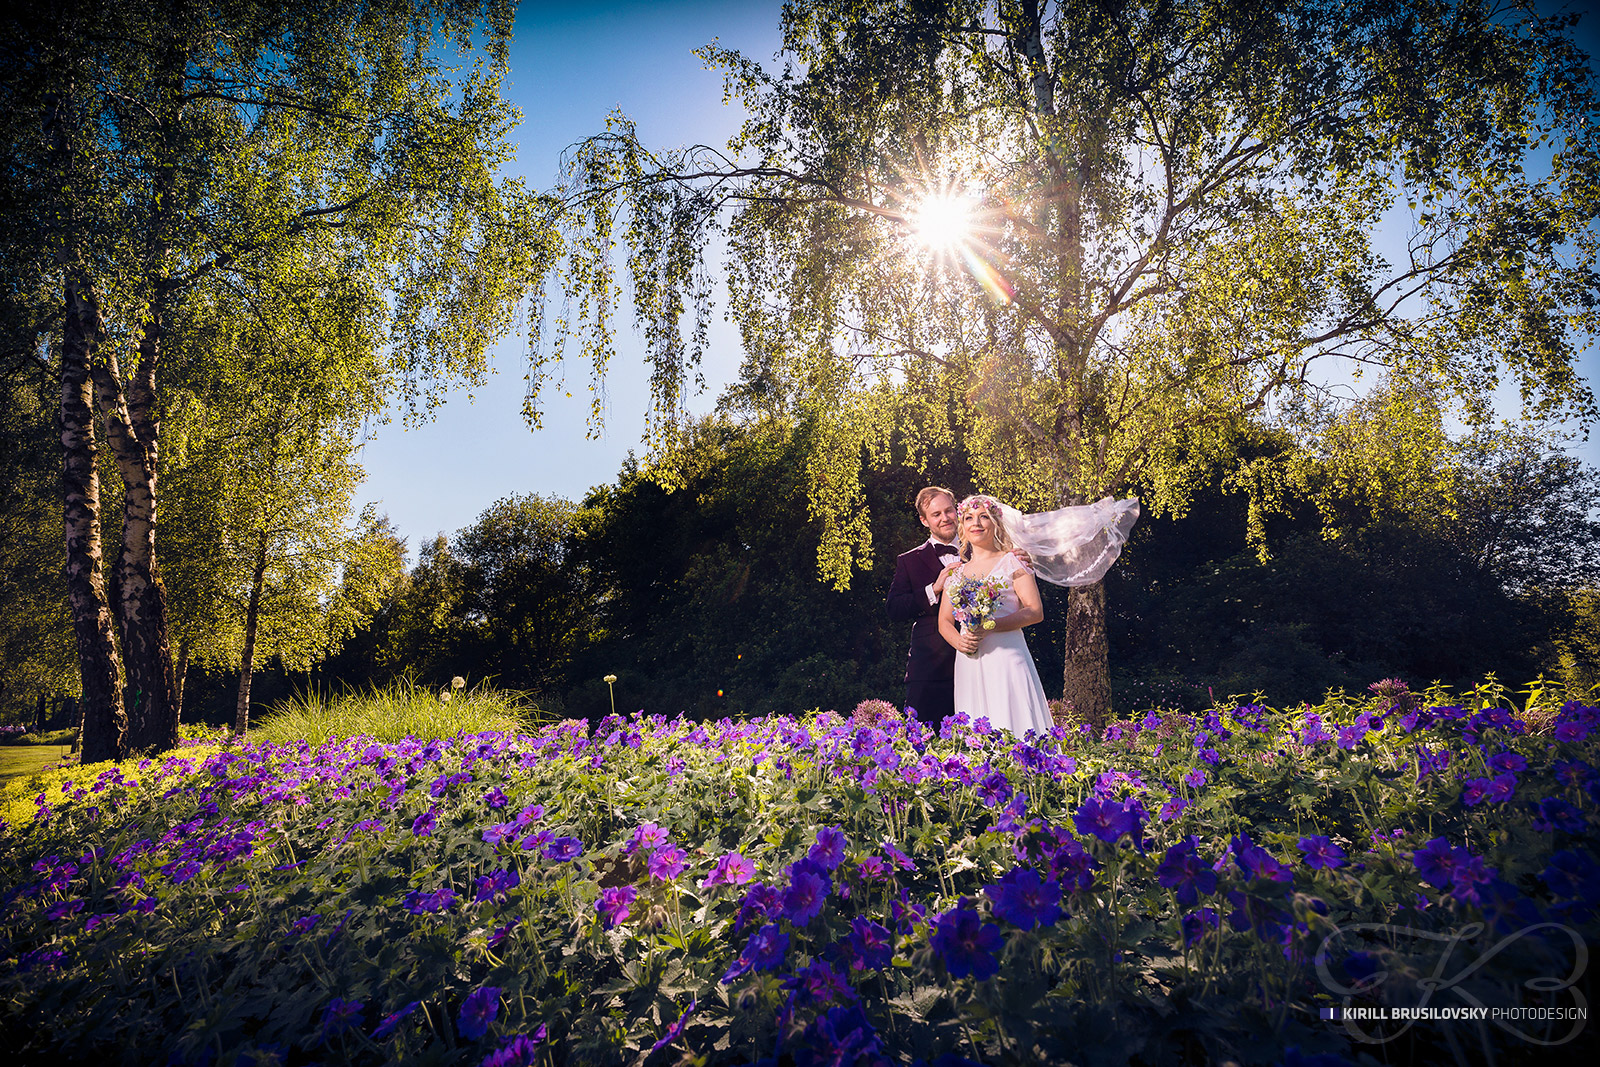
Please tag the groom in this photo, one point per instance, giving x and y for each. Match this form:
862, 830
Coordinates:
919, 577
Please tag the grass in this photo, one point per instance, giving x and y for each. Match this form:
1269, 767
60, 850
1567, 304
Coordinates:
17, 761
402, 709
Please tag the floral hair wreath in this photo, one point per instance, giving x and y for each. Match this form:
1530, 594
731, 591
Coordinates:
972, 503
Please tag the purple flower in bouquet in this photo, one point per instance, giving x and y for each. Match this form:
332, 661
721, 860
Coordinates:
1109, 820
666, 863
966, 943
808, 891
1321, 854
614, 904
1182, 870
1025, 900
828, 850
871, 942
478, 1011
564, 849
394, 1019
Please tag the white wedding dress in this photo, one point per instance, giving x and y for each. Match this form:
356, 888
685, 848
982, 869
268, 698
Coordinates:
1000, 682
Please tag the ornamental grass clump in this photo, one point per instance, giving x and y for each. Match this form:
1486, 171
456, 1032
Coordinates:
1176, 889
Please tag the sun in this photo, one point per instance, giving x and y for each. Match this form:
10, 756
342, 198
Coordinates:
943, 220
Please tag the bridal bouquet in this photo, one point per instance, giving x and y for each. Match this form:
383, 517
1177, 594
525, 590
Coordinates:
973, 600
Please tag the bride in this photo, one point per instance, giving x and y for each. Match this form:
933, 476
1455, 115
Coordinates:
996, 677
1071, 546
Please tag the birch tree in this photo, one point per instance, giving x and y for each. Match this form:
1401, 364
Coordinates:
1100, 232
162, 149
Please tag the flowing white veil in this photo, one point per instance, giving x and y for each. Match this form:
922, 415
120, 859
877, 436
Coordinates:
1073, 545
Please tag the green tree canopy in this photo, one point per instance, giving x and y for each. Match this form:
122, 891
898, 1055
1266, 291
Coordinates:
1099, 232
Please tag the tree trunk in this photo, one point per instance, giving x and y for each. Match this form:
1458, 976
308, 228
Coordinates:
105, 723
180, 676
1087, 679
241, 718
141, 599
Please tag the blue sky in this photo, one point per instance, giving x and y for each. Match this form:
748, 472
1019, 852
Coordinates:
572, 64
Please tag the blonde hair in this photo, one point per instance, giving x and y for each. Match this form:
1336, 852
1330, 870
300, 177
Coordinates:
1002, 536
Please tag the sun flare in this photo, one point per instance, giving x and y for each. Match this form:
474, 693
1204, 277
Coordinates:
943, 220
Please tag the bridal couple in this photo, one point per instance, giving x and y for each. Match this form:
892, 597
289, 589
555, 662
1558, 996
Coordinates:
959, 660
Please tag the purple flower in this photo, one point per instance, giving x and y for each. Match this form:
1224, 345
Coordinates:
498, 832
1257, 862
666, 863
763, 952
828, 851
419, 903
1351, 736
647, 836
899, 859
536, 840
1173, 808
1073, 865
1553, 813
872, 944
873, 868
495, 798
394, 1019
1436, 862
675, 1030
1321, 854
1507, 761
530, 814
422, 825
808, 891
994, 790
1025, 900
1109, 820
339, 1016
1182, 870
520, 1051
730, 869
496, 885
614, 904
478, 1011
841, 1035
1196, 923
564, 849
966, 943
1195, 778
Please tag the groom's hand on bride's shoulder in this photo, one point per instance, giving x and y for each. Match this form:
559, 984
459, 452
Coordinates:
1023, 557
